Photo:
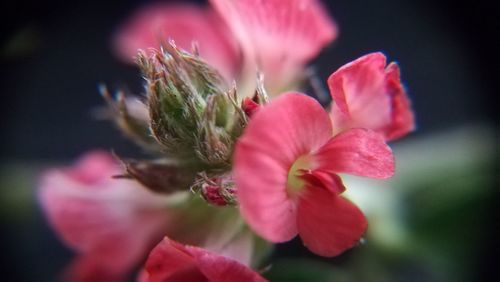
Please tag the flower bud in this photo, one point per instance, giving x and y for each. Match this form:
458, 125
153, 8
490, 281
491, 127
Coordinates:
217, 190
193, 113
222, 124
131, 117
251, 105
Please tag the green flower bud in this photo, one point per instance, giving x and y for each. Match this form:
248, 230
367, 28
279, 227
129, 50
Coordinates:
131, 117
194, 115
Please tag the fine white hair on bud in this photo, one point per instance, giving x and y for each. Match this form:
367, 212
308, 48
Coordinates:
193, 113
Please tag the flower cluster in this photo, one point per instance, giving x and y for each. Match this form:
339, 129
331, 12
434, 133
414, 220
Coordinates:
233, 170
237, 37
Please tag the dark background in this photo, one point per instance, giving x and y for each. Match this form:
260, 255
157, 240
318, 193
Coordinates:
54, 53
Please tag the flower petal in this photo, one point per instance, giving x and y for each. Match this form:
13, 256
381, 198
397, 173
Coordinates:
357, 151
267, 30
330, 181
220, 268
89, 268
184, 24
171, 261
290, 126
359, 94
328, 224
93, 168
403, 120
111, 222
366, 94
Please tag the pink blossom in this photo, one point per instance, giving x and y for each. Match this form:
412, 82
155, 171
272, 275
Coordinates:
286, 174
368, 94
277, 37
171, 261
185, 24
113, 223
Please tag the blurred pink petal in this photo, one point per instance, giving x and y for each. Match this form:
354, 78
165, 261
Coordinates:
282, 168
368, 94
171, 261
357, 151
111, 223
185, 24
88, 268
328, 224
281, 36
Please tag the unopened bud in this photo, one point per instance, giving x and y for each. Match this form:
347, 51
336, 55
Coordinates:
177, 84
223, 123
251, 105
218, 190
193, 113
131, 117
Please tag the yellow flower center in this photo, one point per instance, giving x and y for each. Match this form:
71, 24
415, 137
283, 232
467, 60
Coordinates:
295, 183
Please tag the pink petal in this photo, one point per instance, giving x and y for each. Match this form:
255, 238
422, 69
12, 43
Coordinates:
185, 24
171, 261
111, 222
325, 180
357, 151
280, 35
403, 120
92, 168
358, 92
328, 224
220, 268
89, 268
368, 95
290, 126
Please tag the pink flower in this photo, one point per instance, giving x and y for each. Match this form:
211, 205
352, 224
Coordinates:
113, 223
286, 174
171, 261
184, 23
277, 37
368, 94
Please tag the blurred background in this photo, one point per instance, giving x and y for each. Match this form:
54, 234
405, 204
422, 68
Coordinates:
434, 221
